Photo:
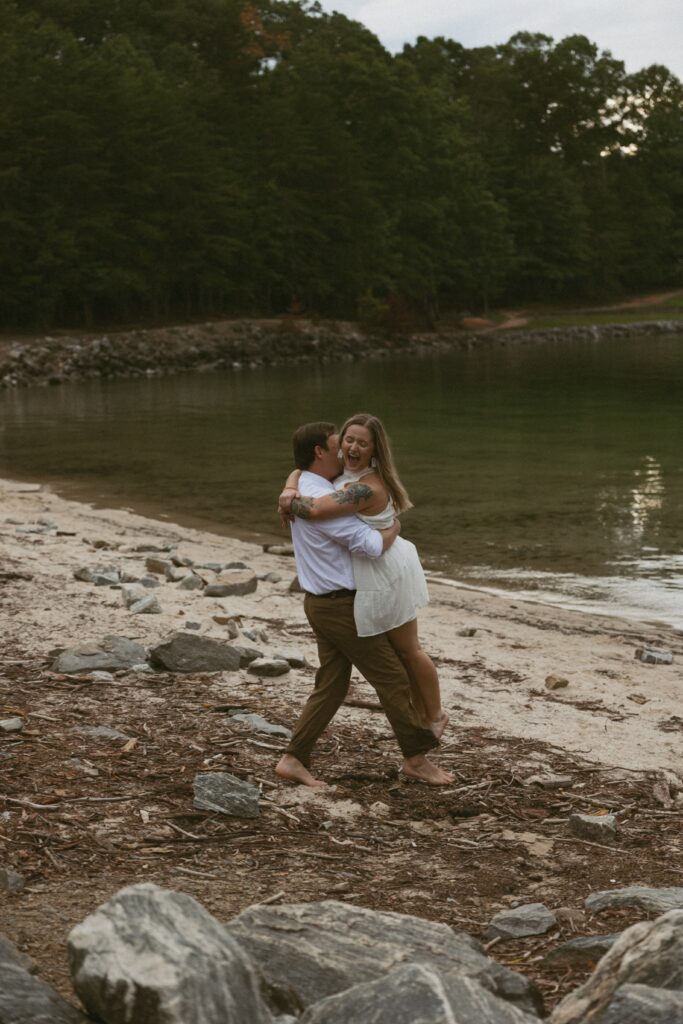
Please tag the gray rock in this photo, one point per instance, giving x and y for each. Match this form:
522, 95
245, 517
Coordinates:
467, 631
157, 565
600, 827
309, 951
582, 952
149, 582
148, 605
295, 587
219, 791
11, 724
109, 655
272, 577
9, 953
293, 658
237, 565
131, 594
653, 901
640, 1004
518, 922
174, 573
158, 548
268, 667
654, 656
159, 957
418, 994
211, 566
650, 953
100, 575
193, 625
259, 724
102, 731
247, 654
191, 582
232, 583
11, 881
278, 549
187, 653
181, 561
26, 1000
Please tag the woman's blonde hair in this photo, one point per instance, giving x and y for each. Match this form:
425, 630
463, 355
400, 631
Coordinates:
384, 460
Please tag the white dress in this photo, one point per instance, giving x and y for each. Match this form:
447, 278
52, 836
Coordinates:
391, 588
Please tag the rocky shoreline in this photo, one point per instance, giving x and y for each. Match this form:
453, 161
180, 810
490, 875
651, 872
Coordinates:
248, 344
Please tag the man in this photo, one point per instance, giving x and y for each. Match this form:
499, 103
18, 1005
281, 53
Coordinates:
323, 560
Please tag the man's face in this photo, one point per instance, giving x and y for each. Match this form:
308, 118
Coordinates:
330, 460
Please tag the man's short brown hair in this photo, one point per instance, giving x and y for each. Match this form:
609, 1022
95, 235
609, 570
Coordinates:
307, 438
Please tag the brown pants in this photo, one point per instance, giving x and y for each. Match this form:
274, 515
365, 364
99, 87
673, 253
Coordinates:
340, 648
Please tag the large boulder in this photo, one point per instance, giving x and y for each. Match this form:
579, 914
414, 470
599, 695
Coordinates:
185, 652
652, 901
309, 951
27, 1000
157, 956
639, 1004
109, 655
650, 953
415, 995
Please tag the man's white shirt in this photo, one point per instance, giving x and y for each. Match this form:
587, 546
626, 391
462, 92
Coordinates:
323, 549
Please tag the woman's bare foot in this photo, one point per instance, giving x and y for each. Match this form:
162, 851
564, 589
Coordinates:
439, 724
422, 769
291, 769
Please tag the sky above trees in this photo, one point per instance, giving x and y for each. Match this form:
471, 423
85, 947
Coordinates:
639, 32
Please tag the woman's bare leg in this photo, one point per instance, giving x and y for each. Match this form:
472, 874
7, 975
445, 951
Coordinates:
424, 679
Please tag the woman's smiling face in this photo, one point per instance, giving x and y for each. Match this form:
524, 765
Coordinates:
357, 447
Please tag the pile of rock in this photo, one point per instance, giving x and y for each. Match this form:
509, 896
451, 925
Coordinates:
155, 955
239, 344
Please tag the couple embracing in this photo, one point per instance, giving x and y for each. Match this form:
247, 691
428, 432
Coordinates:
363, 584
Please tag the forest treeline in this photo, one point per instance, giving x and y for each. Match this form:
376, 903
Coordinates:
185, 158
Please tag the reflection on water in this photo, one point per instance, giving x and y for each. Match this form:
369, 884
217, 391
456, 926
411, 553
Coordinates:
553, 471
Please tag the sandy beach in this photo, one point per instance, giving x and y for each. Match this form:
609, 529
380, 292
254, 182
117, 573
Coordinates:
612, 711
87, 812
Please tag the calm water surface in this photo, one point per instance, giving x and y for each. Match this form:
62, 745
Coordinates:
554, 471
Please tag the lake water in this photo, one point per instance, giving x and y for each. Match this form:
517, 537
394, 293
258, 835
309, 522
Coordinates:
553, 471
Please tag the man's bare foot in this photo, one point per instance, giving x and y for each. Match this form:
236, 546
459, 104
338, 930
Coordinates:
422, 769
291, 769
439, 724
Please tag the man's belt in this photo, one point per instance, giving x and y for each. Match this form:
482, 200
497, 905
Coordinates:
336, 593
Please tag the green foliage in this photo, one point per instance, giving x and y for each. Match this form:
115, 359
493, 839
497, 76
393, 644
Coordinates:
180, 158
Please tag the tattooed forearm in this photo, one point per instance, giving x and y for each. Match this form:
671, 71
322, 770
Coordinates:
353, 495
301, 507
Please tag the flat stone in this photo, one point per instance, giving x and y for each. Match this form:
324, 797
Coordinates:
296, 659
148, 605
259, 724
100, 575
653, 901
102, 731
648, 954
272, 577
582, 952
11, 724
518, 922
191, 582
593, 826
149, 582
467, 631
157, 565
247, 654
158, 957
268, 667
278, 549
219, 791
211, 566
309, 951
654, 656
232, 583
237, 565
181, 561
193, 625
640, 1004
419, 994
187, 653
27, 1000
11, 881
109, 655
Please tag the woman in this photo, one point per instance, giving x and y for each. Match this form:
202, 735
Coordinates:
389, 589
